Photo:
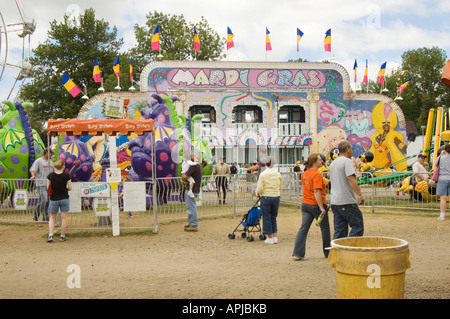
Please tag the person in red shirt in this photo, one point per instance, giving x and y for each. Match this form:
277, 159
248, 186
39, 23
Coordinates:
313, 205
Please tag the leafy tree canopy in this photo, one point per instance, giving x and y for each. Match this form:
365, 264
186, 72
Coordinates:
425, 90
70, 48
176, 40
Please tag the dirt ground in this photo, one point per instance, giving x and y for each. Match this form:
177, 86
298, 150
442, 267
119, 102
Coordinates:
174, 264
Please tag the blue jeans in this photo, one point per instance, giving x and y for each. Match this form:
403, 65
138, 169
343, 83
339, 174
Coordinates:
191, 207
269, 211
347, 216
62, 205
309, 213
443, 187
42, 204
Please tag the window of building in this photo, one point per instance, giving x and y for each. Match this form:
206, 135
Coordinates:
290, 155
291, 114
208, 112
247, 114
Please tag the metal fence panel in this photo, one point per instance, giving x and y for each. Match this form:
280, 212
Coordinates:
391, 190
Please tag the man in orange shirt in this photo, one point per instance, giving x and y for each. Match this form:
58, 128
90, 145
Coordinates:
313, 206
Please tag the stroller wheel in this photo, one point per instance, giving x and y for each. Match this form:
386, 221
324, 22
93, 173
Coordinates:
243, 234
231, 236
250, 238
262, 237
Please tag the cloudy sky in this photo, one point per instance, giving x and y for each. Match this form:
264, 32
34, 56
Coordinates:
378, 31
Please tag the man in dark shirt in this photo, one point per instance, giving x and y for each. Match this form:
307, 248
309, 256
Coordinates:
233, 169
196, 172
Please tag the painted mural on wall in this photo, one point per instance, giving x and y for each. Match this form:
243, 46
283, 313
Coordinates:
370, 126
168, 89
369, 121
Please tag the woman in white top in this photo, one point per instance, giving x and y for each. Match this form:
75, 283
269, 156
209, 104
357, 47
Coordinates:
443, 184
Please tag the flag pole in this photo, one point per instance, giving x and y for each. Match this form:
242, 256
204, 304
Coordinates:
101, 87
118, 84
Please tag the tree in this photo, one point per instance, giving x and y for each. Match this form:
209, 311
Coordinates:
176, 39
425, 90
298, 60
70, 48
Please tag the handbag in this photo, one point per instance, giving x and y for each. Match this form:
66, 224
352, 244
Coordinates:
50, 190
435, 176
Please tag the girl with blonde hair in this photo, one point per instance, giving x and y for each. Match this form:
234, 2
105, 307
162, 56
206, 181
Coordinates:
60, 184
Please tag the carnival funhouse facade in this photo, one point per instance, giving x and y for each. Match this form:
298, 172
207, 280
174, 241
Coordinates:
287, 109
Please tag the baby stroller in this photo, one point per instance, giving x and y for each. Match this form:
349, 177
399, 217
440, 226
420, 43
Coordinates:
249, 224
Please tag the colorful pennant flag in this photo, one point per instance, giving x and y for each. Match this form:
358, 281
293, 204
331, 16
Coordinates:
403, 86
381, 73
268, 45
230, 36
131, 70
196, 40
70, 85
327, 41
155, 39
299, 36
116, 67
366, 79
355, 68
96, 72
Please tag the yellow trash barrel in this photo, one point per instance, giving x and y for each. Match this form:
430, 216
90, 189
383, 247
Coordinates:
369, 267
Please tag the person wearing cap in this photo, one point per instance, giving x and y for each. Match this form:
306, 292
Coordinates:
268, 191
258, 166
420, 173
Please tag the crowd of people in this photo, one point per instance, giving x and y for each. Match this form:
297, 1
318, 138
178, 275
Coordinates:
345, 197
53, 185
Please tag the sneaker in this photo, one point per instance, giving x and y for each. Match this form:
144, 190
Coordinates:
62, 238
269, 241
441, 218
191, 229
50, 238
275, 240
300, 258
129, 215
191, 194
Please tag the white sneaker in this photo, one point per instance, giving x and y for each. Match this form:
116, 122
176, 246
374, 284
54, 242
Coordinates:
191, 194
300, 258
441, 218
275, 240
269, 241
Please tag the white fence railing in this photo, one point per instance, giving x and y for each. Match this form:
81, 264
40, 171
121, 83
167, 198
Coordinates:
19, 199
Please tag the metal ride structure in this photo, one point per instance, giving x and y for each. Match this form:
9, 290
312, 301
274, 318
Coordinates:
27, 27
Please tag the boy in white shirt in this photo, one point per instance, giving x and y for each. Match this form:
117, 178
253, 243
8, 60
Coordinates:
184, 167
